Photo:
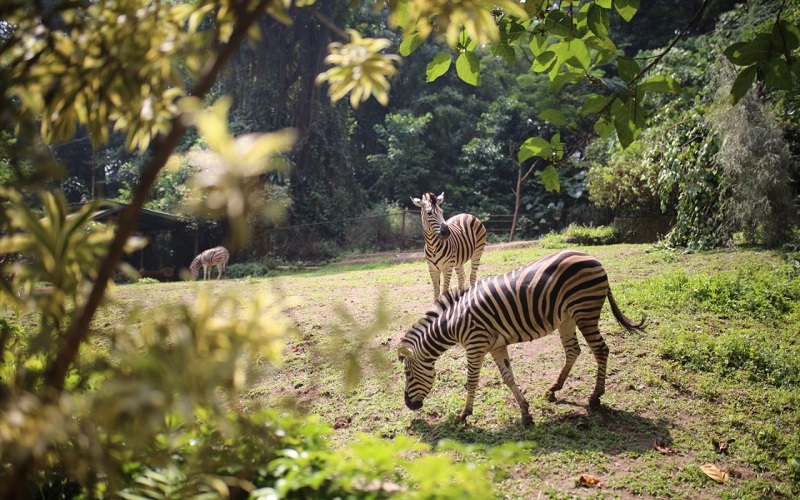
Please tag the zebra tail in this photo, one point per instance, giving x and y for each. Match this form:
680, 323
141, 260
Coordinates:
622, 319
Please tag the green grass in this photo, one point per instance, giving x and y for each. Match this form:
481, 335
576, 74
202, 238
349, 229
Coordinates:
720, 359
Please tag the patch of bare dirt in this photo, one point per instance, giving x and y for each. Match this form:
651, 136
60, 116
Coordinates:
411, 256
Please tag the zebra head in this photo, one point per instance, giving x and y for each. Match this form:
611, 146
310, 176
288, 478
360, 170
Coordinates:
419, 373
194, 267
432, 215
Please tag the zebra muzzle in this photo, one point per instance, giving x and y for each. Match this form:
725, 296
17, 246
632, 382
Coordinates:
413, 404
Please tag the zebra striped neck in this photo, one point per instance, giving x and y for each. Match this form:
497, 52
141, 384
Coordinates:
432, 335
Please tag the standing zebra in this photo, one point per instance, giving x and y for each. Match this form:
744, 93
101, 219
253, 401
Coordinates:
561, 291
450, 244
217, 256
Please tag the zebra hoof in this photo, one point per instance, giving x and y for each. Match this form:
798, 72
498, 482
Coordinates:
550, 396
594, 402
527, 420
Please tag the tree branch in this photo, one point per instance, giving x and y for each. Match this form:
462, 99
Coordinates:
163, 148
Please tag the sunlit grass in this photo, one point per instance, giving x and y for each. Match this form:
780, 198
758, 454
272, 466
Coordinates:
718, 360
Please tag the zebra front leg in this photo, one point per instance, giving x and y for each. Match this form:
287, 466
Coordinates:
435, 280
571, 351
503, 362
474, 362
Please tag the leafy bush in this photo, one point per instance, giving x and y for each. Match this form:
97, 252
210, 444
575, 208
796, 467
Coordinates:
579, 235
245, 269
626, 183
277, 455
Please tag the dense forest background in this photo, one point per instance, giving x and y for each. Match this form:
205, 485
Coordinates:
448, 135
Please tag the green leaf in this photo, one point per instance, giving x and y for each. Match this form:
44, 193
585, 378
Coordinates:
777, 74
593, 104
572, 76
538, 44
606, 4
660, 83
544, 61
744, 80
550, 179
468, 68
628, 122
628, 69
574, 53
557, 146
511, 30
597, 20
603, 128
534, 146
439, 66
618, 87
626, 8
410, 44
505, 52
606, 50
558, 23
786, 36
747, 53
553, 116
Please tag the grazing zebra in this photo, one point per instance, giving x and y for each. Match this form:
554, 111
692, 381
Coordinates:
217, 256
561, 291
450, 244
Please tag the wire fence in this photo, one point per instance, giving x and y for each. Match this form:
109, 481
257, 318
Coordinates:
400, 230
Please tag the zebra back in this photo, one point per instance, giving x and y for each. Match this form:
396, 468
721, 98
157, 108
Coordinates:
562, 291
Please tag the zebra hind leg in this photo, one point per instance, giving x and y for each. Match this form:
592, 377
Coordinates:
591, 332
504, 365
462, 279
571, 351
447, 274
473, 269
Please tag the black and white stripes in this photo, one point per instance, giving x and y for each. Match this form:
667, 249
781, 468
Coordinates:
559, 292
217, 256
449, 244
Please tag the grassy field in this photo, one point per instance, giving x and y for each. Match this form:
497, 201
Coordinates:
714, 380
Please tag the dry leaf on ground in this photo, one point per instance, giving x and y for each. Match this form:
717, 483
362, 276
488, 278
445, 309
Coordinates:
660, 446
721, 446
588, 480
715, 473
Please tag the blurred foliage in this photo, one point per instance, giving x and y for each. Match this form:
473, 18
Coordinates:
149, 410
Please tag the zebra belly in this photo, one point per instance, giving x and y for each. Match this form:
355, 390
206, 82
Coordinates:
513, 337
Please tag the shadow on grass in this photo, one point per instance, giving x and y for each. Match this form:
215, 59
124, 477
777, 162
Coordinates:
606, 430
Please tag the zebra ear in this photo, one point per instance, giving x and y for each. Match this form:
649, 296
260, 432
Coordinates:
440, 199
416, 201
405, 351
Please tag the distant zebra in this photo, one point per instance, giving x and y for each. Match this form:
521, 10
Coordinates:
450, 244
557, 292
217, 256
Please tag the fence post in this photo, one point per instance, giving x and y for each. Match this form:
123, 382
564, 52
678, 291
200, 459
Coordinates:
403, 231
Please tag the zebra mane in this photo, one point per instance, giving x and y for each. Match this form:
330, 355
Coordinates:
449, 298
445, 301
